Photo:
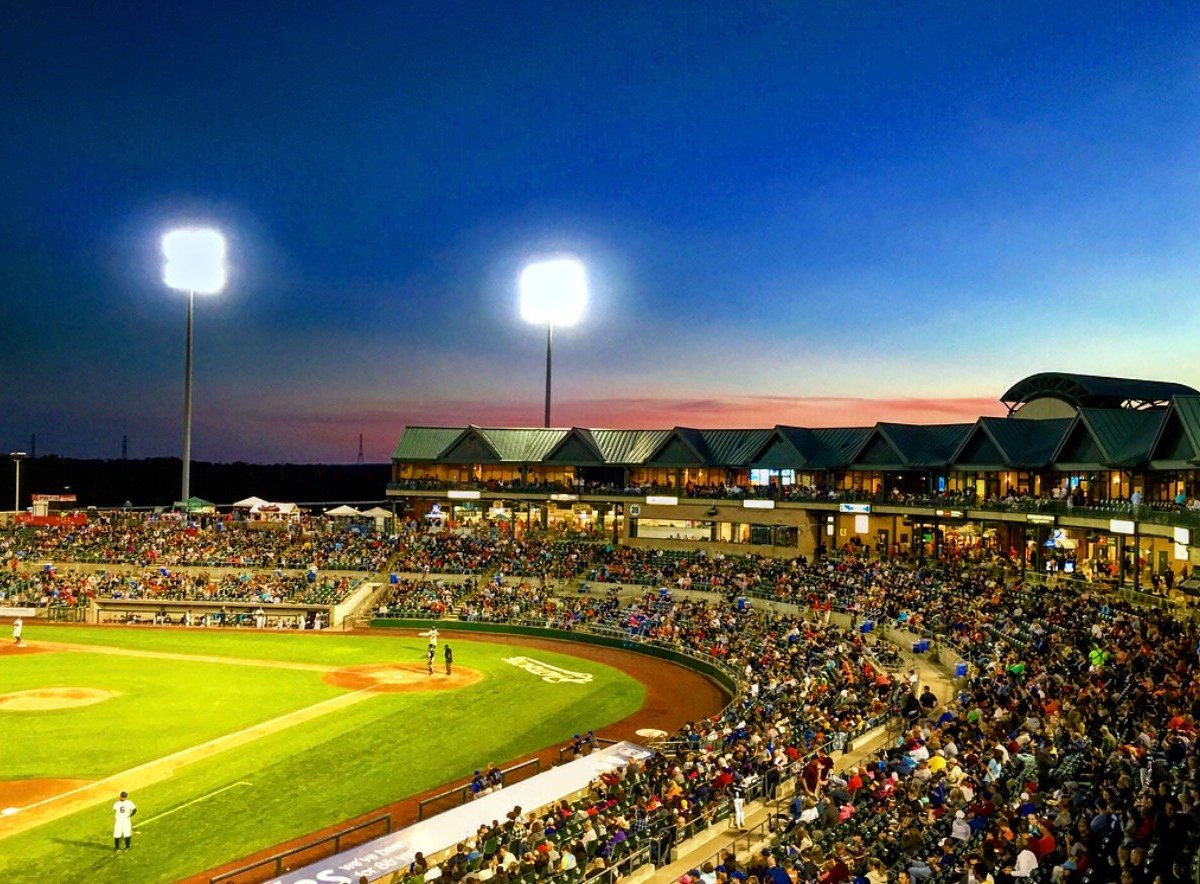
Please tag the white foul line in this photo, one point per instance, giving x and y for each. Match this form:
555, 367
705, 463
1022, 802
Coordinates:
243, 736
190, 803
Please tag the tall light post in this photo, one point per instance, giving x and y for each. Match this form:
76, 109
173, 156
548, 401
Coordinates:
553, 291
195, 263
17, 457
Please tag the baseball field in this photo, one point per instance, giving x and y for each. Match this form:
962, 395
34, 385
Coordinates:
231, 742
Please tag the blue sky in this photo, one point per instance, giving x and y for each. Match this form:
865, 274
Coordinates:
791, 213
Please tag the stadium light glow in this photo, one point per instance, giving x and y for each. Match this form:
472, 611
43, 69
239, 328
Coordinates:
195, 260
194, 263
553, 291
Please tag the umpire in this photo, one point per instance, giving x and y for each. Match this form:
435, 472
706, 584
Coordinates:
448, 656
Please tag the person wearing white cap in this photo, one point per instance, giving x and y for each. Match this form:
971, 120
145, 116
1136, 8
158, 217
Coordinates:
960, 829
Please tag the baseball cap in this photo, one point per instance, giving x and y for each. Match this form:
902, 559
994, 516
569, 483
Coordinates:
123, 794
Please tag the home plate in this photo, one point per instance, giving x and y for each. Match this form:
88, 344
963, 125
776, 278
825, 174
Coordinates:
651, 733
9, 811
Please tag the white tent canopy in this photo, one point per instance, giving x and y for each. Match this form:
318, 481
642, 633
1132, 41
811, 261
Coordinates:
378, 512
267, 508
249, 503
343, 511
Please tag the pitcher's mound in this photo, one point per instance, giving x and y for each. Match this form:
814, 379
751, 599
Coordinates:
23, 648
398, 677
42, 699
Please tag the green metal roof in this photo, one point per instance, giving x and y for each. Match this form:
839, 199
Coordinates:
578, 447
1026, 444
1095, 438
979, 451
628, 446
1124, 435
733, 448
1187, 409
1177, 443
1093, 391
1079, 448
425, 443
839, 444
919, 446
523, 445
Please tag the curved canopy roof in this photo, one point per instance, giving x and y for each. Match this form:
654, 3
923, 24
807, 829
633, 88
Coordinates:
1093, 391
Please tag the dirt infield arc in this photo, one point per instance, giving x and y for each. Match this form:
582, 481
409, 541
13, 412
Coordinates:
399, 678
674, 695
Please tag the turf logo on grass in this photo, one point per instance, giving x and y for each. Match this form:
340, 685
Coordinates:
549, 672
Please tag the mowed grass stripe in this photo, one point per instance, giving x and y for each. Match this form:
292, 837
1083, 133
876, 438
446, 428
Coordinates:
159, 707
173, 655
151, 772
325, 771
326, 648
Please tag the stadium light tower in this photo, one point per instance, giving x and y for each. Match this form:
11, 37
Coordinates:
17, 457
553, 291
195, 263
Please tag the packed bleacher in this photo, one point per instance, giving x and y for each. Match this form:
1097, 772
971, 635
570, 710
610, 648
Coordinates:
52, 587
138, 539
1068, 755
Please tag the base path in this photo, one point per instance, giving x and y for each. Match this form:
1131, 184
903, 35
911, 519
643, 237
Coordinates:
674, 695
81, 797
169, 655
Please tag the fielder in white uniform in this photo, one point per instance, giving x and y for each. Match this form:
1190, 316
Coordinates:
123, 813
18, 625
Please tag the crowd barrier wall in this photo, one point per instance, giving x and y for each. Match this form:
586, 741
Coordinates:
623, 641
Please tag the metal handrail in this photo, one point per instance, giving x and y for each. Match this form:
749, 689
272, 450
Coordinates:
278, 858
463, 791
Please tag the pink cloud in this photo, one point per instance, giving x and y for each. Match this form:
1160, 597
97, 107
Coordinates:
331, 433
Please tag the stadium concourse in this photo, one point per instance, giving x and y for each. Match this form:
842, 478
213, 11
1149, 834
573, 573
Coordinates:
1067, 752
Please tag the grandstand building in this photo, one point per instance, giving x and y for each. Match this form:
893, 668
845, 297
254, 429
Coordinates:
1084, 471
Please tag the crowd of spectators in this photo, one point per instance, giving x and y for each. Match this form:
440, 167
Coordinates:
148, 540
1069, 754
52, 587
1011, 498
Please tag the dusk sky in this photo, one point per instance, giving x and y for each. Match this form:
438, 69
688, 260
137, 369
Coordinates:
806, 213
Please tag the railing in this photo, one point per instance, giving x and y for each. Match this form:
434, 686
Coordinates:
600, 741
460, 795
277, 862
620, 866
66, 614
760, 830
1156, 512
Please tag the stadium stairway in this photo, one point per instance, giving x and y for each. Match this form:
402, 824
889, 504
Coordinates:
708, 845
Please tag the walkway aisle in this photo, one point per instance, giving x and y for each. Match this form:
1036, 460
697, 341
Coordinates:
721, 837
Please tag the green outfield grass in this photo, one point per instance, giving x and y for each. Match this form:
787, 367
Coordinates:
312, 775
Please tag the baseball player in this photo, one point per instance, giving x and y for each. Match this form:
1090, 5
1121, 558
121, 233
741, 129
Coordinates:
18, 625
429, 655
433, 637
123, 813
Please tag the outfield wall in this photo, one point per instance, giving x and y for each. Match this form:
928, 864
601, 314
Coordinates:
710, 669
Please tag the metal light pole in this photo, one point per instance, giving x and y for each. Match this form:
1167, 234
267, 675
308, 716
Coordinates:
187, 403
195, 263
17, 457
549, 350
553, 291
